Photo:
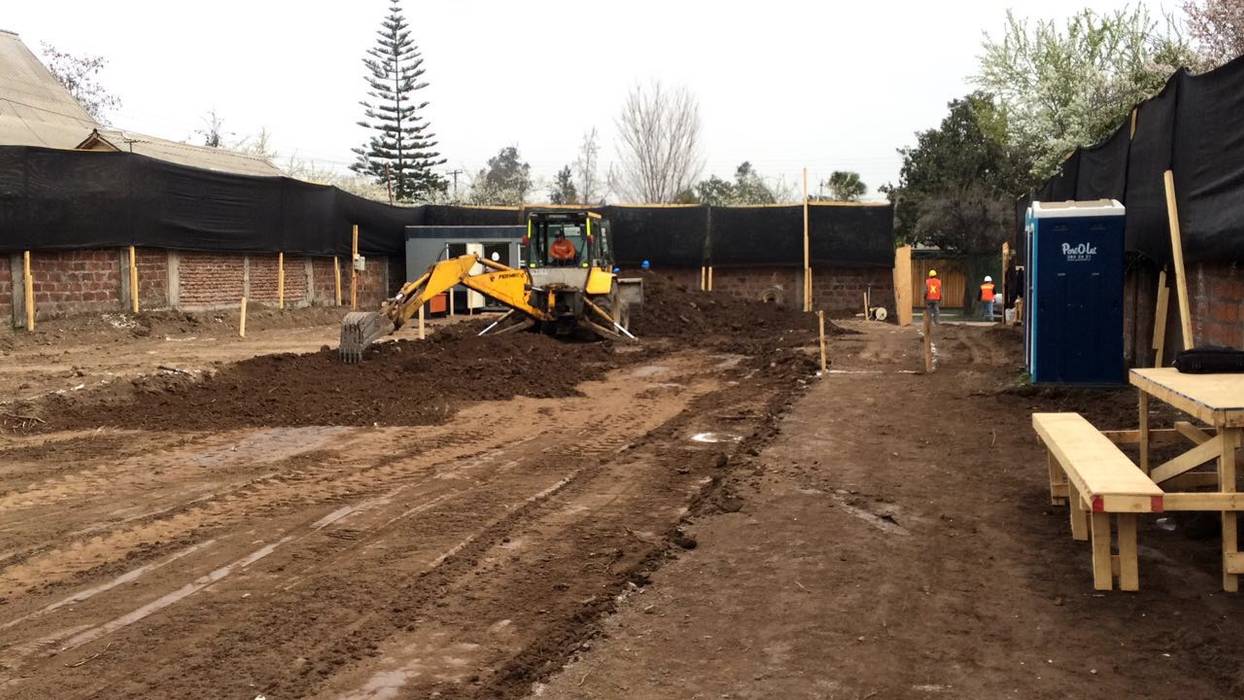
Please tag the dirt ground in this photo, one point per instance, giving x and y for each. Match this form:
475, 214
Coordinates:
697, 516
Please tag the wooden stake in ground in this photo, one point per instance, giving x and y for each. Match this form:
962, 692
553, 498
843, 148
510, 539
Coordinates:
703, 278
903, 284
242, 319
354, 273
133, 280
928, 343
422, 335
1177, 251
337, 275
807, 261
28, 289
865, 306
820, 317
710, 278
280, 280
1159, 319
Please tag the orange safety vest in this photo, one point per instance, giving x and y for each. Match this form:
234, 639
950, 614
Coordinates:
987, 291
933, 289
563, 250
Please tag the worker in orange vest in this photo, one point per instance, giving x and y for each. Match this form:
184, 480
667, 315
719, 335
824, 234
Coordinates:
933, 297
987, 296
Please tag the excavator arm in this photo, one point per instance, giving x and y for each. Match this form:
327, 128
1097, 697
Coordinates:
505, 284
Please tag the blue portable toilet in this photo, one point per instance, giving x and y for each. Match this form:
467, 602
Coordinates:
1073, 332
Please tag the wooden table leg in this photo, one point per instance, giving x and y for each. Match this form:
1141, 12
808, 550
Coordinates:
1103, 570
1129, 566
1226, 484
1144, 432
1079, 518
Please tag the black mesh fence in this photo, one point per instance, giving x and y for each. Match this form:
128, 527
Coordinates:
56, 199
1193, 127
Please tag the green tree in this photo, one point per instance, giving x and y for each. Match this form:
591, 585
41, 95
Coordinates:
80, 76
748, 187
845, 185
1065, 86
1218, 28
563, 190
506, 180
957, 185
401, 149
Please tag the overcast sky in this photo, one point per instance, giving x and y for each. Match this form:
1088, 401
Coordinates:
827, 85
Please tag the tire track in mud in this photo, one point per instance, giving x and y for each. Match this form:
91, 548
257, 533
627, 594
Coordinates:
441, 512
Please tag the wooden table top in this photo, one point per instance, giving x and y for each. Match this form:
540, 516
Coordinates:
1216, 399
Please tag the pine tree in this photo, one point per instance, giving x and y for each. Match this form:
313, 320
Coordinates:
401, 149
563, 191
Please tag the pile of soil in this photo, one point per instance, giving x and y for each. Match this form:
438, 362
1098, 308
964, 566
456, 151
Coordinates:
398, 383
673, 310
426, 382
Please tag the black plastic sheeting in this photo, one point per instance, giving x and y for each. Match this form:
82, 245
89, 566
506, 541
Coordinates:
757, 236
851, 235
1209, 161
1193, 127
660, 235
56, 199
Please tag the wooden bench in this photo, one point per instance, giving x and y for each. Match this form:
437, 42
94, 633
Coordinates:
1097, 481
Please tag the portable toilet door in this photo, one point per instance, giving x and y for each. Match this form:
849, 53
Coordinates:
1076, 257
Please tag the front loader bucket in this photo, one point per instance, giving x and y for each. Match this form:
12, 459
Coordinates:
360, 329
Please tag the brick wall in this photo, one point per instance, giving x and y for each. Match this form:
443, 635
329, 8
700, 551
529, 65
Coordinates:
1216, 295
79, 281
152, 264
323, 279
210, 280
837, 290
6, 287
1216, 299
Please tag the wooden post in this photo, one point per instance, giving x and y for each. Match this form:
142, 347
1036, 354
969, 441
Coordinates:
807, 260
1129, 567
902, 284
865, 306
710, 278
133, 280
337, 275
422, 334
1226, 484
820, 317
354, 273
928, 342
1159, 319
1177, 251
28, 288
1099, 533
1144, 432
703, 278
242, 320
1006, 257
280, 280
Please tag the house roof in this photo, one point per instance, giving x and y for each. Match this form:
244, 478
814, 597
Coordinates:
35, 109
221, 159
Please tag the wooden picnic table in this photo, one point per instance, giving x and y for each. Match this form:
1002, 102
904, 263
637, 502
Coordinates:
1217, 401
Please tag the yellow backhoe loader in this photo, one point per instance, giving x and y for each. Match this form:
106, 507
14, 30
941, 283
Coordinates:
566, 284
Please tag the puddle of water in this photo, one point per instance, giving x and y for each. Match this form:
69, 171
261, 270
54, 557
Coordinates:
711, 437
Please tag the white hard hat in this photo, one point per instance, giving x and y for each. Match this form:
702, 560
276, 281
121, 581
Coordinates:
988, 278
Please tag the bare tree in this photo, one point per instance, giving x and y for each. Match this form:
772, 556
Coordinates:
659, 145
80, 76
587, 182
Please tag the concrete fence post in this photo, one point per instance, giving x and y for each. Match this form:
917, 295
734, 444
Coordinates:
19, 297
123, 266
174, 279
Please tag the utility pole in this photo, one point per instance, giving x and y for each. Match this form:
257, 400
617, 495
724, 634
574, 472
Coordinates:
455, 173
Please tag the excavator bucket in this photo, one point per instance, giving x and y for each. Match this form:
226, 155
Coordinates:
360, 329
